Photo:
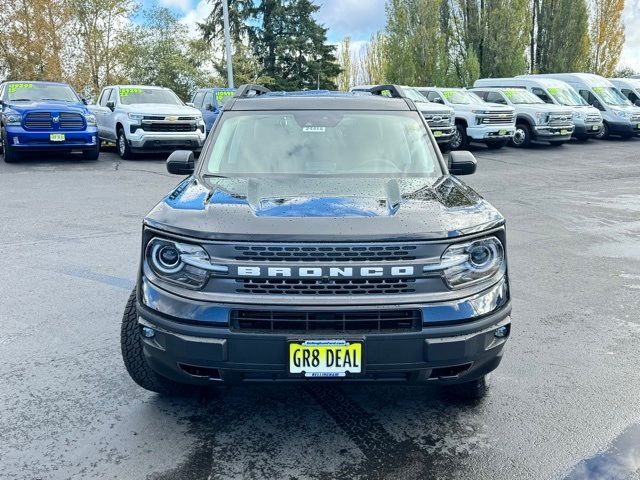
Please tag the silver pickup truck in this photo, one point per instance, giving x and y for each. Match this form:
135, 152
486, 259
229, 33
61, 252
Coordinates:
143, 118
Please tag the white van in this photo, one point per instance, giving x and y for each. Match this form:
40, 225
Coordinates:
620, 117
629, 87
587, 119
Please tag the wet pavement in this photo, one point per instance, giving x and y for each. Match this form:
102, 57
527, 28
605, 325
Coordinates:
563, 404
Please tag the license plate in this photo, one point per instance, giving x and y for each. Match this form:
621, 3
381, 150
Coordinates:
57, 137
437, 133
502, 132
564, 132
595, 127
325, 358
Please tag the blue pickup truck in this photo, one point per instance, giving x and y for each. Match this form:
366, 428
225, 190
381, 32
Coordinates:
210, 101
45, 116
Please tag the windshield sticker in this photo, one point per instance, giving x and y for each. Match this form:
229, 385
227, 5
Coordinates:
14, 87
510, 92
224, 93
314, 129
553, 91
448, 93
125, 92
598, 90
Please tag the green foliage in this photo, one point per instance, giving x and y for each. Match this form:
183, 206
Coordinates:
562, 43
503, 38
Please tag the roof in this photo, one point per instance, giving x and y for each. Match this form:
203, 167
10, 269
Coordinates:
153, 87
37, 81
217, 89
318, 102
632, 82
523, 79
589, 79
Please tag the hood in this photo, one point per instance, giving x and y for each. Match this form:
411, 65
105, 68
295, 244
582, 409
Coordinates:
161, 109
431, 108
545, 108
494, 107
331, 209
49, 106
588, 109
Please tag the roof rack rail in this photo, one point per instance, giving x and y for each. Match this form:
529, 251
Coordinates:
250, 90
393, 91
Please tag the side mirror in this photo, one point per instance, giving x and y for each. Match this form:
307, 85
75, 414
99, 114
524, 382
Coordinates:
111, 105
438, 100
637, 103
181, 162
210, 107
462, 163
190, 104
597, 104
85, 101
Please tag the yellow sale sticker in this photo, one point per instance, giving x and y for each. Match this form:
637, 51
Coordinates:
224, 93
125, 92
14, 87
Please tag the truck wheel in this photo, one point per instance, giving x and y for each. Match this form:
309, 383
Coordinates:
473, 390
10, 153
496, 144
133, 356
459, 139
522, 136
124, 150
604, 131
91, 154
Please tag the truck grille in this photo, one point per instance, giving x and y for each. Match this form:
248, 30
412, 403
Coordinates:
71, 121
367, 321
492, 118
38, 121
560, 120
437, 119
593, 119
168, 127
635, 119
358, 286
342, 253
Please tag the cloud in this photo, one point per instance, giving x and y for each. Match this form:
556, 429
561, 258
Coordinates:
631, 52
356, 18
182, 5
195, 15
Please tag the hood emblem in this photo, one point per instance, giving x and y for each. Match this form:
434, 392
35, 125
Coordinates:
56, 119
172, 118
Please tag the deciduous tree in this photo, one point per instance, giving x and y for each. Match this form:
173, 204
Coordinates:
607, 35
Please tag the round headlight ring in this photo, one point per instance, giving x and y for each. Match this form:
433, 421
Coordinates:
165, 257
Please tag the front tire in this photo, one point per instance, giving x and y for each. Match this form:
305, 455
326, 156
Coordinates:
522, 136
10, 153
134, 359
604, 132
91, 154
122, 145
496, 144
459, 139
473, 390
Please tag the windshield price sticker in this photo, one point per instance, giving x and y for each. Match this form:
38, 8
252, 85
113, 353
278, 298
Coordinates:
125, 92
13, 87
598, 90
314, 129
553, 90
448, 93
510, 92
224, 93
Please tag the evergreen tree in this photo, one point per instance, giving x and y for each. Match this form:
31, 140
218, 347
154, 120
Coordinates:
241, 12
503, 37
562, 41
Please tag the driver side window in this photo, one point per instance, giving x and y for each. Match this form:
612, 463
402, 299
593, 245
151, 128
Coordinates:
104, 97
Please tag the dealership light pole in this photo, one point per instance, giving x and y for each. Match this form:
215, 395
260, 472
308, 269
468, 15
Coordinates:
227, 42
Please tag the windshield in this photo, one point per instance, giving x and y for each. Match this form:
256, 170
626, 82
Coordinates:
39, 92
611, 96
461, 97
414, 95
131, 95
521, 96
566, 96
322, 143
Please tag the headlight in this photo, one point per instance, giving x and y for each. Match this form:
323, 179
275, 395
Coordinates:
472, 262
622, 113
198, 118
479, 112
136, 116
185, 264
90, 119
12, 119
541, 118
452, 121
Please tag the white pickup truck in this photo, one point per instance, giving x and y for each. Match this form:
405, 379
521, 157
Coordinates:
144, 118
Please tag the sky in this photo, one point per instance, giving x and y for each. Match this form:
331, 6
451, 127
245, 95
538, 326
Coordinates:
360, 18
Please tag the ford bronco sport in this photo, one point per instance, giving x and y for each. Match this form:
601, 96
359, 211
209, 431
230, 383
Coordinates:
319, 238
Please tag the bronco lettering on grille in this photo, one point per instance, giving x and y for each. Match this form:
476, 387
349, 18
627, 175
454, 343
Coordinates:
326, 272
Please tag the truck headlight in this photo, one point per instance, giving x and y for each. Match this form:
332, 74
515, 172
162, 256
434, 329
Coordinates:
90, 119
472, 262
622, 113
541, 118
12, 119
136, 117
181, 263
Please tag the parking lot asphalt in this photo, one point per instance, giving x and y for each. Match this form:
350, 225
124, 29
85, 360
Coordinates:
563, 404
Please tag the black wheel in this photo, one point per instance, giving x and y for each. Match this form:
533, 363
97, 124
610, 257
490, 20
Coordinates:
10, 153
459, 139
134, 360
444, 147
604, 131
91, 154
473, 390
522, 136
556, 144
122, 145
496, 144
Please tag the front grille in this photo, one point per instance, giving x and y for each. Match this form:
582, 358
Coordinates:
38, 121
498, 118
635, 119
71, 121
560, 120
367, 321
358, 286
342, 253
593, 119
168, 127
437, 119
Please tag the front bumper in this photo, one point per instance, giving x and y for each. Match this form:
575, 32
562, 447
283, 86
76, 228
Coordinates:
491, 132
555, 133
442, 352
442, 134
587, 130
30, 140
624, 128
141, 140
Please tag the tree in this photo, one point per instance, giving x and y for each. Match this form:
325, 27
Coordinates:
344, 78
373, 60
503, 37
607, 35
562, 40
241, 13
625, 72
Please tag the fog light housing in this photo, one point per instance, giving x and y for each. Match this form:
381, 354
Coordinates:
501, 332
16, 141
148, 332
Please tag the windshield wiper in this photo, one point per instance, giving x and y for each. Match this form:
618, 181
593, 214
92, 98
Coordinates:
212, 175
20, 100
